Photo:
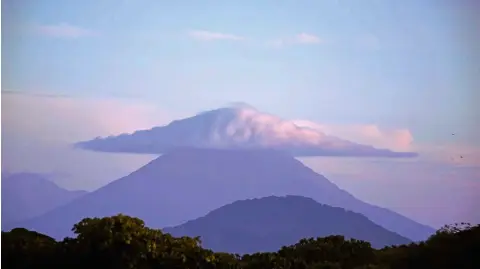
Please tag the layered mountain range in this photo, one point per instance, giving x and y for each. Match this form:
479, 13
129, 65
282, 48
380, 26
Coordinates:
213, 165
188, 183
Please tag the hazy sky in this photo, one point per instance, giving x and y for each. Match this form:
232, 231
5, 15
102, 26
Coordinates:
401, 74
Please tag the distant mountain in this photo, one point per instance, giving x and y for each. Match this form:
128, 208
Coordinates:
27, 195
267, 224
236, 127
188, 183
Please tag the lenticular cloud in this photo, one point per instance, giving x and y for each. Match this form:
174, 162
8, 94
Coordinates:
236, 127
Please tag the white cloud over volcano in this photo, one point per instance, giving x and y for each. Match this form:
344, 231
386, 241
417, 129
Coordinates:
38, 117
238, 127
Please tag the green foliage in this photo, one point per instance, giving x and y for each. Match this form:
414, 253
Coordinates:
125, 242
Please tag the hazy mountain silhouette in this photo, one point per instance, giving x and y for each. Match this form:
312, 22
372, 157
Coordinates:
26, 195
267, 224
236, 127
188, 183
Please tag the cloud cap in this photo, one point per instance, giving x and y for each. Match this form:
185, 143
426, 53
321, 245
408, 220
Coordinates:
236, 127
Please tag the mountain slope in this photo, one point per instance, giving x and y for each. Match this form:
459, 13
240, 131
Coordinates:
267, 224
26, 195
238, 127
188, 183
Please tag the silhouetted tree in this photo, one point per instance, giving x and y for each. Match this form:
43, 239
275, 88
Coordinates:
22, 248
125, 242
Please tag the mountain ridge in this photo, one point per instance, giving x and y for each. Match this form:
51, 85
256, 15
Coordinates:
267, 223
26, 195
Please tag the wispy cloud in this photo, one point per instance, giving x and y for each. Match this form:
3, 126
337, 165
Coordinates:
64, 30
210, 36
397, 139
400, 139
305, 38
81, 118
299, 39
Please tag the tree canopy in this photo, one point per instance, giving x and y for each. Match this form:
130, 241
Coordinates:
125, 242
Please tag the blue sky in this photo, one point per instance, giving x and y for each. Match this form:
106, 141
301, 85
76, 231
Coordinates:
377, 61
409, 65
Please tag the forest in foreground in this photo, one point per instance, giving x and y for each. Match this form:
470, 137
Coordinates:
125, 242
